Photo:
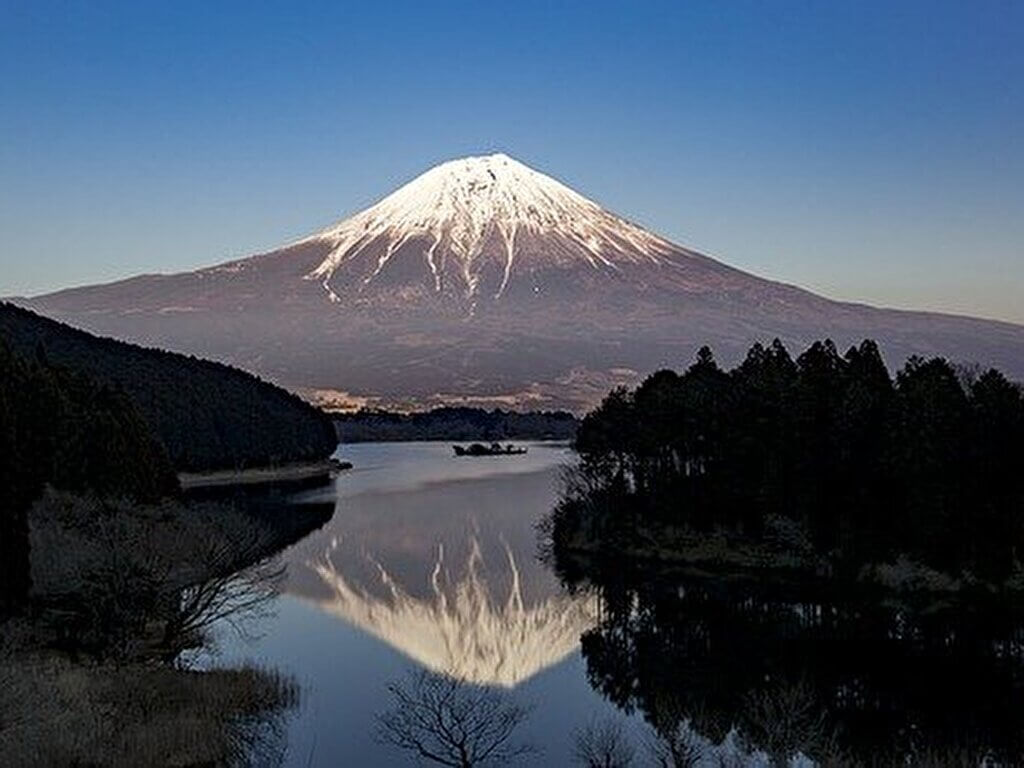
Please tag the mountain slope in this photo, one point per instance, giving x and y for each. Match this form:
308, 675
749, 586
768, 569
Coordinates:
484, 280
207, 415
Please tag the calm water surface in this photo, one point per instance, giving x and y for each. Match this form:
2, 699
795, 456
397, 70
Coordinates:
429, 562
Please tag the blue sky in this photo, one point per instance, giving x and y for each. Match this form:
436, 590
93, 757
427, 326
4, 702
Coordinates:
869, 151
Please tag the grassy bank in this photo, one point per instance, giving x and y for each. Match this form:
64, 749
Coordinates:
91, 672
54, 713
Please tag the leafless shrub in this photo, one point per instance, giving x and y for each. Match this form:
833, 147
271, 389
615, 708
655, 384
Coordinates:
676, 747
786, 720
728, 759
603, 744
449, 721
124, 581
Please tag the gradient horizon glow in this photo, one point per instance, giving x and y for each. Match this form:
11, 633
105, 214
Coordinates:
868, 151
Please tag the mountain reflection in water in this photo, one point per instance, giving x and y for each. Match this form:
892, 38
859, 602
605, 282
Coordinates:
447, 573
464, 628
430, 562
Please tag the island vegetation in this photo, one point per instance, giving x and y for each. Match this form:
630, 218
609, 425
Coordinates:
455, 423
824, 463
494, 449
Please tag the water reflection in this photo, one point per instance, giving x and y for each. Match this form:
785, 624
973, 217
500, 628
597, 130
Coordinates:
846, 678
464, 627
445, 571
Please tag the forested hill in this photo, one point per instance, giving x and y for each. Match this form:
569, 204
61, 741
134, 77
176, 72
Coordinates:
826, 452
64, 429
451, 423
208, 415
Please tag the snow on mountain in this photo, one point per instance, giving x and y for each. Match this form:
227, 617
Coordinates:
459, 205
485, 281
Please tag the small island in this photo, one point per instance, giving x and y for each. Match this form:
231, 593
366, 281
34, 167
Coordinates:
494, 449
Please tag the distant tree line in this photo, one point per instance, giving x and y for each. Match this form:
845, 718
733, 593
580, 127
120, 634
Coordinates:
866, 466
207, 415
455, 423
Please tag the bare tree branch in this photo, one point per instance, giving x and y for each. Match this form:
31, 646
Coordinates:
449, 721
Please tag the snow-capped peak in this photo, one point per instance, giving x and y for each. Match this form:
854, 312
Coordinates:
458, 206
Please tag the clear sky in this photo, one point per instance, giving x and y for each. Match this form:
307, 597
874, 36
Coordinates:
866, 150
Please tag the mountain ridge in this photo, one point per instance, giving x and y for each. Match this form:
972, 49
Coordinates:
483, 278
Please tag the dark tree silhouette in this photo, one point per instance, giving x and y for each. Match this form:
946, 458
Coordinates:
826, 449
603, 744
64, 429
207, 415
449, 721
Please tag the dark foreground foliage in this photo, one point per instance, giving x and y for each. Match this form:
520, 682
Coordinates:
455, 424
827, 452
93, 673
791, 667
208, 415
107, 574
66, 430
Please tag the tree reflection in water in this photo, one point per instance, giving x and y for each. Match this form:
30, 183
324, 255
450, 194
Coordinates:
844, 678
450, 721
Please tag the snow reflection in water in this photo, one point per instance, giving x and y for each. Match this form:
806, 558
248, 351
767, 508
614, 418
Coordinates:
462, 627
444, 570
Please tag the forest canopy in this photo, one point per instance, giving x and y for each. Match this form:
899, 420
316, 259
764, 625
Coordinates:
455, 423
828, 450
100, 418
207, 415
64, 429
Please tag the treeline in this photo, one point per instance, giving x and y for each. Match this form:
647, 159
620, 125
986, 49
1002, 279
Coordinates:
451, 423
207, 415
828, 448
64, 429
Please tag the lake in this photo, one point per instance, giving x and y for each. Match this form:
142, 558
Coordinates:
430, 561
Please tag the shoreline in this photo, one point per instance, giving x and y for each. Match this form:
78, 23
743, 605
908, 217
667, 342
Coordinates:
307, 470
900, 576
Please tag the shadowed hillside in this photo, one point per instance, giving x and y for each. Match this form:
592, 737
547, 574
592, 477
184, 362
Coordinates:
208, 415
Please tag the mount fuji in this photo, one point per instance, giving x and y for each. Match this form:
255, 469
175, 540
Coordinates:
485, 281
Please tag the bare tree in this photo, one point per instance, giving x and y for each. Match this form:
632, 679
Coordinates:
787, 719
677, 746
225, 576
603, 744
128, 581
449, 721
